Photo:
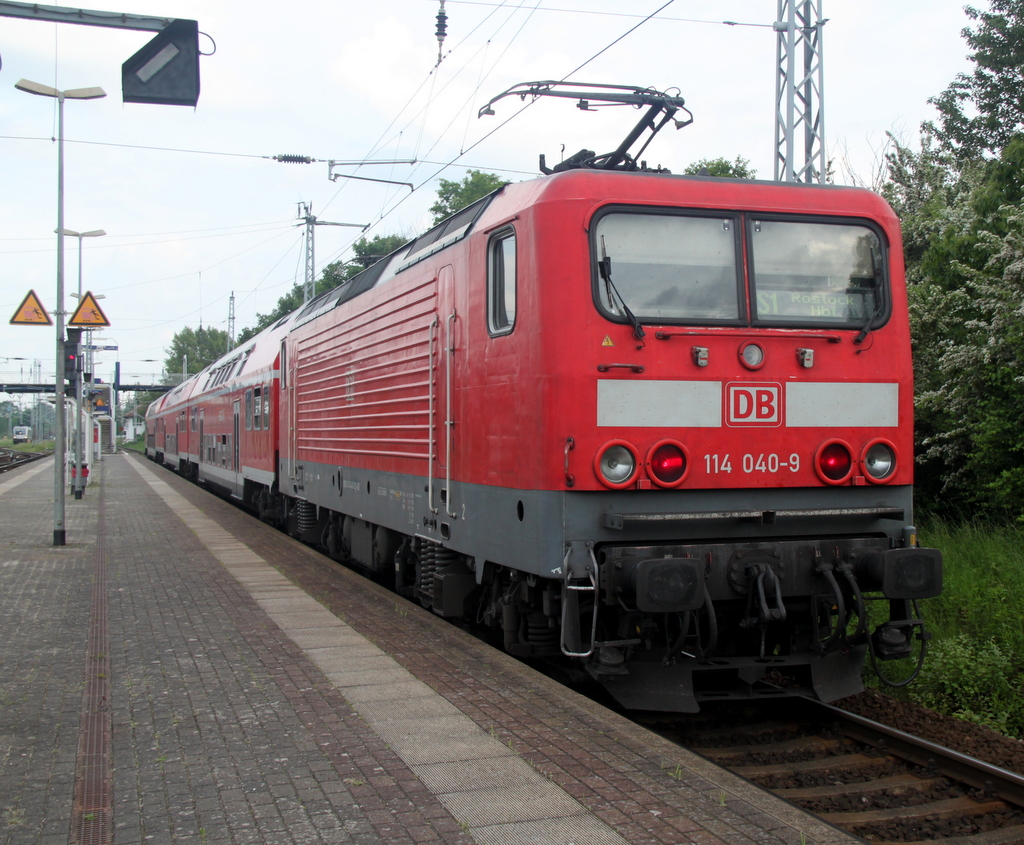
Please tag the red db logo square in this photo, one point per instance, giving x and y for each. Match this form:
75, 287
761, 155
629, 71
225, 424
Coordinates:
753, 404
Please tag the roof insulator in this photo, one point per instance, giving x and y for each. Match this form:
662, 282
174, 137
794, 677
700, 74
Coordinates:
442, 31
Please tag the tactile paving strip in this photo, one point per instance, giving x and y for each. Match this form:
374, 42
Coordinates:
92, 813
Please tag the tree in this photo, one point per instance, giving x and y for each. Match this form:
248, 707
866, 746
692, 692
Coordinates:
368, 253
451, 197
980, 112
972, 402
202, 347
738, 169
455, 196
964, 226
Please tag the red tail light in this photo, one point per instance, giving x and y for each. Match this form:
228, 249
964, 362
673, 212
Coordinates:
834, 462
667, 463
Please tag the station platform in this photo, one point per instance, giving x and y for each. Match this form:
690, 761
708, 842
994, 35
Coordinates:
181, 673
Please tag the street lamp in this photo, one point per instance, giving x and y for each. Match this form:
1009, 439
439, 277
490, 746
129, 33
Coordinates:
60, 447
79, 446
95, 233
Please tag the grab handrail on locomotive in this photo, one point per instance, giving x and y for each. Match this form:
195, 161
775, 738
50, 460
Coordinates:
657, 425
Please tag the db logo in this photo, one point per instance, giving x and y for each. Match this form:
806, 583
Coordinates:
754, 404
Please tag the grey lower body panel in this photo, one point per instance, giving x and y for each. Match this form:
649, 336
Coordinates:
537, 531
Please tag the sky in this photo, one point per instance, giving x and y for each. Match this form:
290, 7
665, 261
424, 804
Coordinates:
196, 209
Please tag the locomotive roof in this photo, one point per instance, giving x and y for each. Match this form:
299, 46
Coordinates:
597, 187
650, 187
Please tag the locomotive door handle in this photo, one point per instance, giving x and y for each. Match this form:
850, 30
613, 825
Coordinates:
636, 368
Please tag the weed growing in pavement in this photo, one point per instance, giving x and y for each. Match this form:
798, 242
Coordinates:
677, 774
14, 817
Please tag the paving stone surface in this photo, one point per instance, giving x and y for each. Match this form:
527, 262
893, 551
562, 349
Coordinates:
227, 726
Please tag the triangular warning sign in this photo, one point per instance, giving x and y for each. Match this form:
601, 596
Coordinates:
88, 313
31, 312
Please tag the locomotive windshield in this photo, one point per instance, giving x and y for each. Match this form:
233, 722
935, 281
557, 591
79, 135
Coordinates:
686, 268
670, 267
814, 272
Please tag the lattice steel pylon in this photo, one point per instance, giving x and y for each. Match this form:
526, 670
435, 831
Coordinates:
799, 85
308, 283
306, 216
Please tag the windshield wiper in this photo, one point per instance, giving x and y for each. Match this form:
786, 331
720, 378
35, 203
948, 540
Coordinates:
876, 284
604, 268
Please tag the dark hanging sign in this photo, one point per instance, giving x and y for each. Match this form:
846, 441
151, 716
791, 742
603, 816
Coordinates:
166, 70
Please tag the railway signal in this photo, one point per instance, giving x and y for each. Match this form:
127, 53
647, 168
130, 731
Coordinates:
70, 360
72, 357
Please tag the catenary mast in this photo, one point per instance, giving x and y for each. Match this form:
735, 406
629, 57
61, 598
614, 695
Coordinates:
799, 106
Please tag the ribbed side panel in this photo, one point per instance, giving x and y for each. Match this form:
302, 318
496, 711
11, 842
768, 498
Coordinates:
363, 383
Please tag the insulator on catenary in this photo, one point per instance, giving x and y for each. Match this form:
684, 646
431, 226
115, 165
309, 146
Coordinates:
442, 31
294, 159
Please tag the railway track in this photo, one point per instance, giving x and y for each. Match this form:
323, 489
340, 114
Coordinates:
873, 781
11, 458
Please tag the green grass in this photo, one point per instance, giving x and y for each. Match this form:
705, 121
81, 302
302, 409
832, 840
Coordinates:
34, 446
975, 665
983, 582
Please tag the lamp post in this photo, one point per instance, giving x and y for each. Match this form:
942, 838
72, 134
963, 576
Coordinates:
60, 447
79, 446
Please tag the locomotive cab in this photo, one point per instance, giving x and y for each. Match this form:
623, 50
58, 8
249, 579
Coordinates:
747, 421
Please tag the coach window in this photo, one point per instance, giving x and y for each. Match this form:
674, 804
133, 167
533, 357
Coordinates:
257, 409
667, 267
812, 272
501, 282
248, 409
266, 407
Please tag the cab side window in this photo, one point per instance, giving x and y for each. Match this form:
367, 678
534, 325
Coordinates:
501, 282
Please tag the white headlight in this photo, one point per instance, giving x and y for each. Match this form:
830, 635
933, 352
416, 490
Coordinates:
879, 461
617, 464
752, 356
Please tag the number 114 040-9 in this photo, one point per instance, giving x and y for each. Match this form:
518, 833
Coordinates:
749, 463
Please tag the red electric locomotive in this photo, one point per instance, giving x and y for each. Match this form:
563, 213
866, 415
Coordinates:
661, 425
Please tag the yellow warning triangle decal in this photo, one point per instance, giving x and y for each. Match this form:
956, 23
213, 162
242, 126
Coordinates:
31, 312
607, 341
88, 313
